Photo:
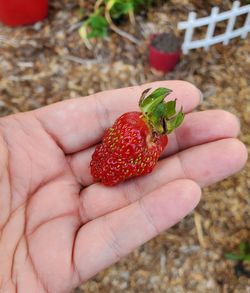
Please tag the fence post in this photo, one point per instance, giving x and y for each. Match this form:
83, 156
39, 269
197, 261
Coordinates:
189, 32
211, 26
246, 26
231, 22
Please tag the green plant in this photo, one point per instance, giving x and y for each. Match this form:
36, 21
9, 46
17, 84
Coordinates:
244, 253
243, 256
98, 25
105, 11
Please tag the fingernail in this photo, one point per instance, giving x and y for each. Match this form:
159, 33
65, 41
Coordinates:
201, 97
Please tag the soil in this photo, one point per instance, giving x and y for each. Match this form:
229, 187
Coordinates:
48, 62
166, 42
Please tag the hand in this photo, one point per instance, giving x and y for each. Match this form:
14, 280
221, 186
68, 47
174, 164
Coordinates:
57, 228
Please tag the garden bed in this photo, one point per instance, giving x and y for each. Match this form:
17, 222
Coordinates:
48, 62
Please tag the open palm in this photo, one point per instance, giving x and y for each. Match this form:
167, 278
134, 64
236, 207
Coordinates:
57, 228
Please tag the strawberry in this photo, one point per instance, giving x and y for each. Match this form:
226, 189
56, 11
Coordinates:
132, 146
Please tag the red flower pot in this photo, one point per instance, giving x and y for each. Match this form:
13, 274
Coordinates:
20, 12
161, 60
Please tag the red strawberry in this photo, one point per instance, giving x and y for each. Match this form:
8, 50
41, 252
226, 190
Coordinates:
132, 146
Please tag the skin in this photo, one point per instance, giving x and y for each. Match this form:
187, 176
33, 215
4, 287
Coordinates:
57, 228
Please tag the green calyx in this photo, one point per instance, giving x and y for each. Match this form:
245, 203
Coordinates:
160, 115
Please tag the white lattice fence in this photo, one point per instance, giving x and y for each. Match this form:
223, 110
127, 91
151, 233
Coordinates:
211, 21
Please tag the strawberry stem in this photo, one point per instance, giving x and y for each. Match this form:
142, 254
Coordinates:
160, 115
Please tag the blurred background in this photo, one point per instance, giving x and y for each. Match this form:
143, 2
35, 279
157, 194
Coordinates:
50, 61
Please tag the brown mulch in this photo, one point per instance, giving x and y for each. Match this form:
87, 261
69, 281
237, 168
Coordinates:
48, 62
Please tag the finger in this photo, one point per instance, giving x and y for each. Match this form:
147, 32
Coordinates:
79, 123
204, 164
107, 239
197, 128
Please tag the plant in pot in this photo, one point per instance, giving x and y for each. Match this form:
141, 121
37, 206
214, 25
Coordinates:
21, 12
164, 52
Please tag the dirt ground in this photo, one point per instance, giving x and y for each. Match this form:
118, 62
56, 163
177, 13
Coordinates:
48, 62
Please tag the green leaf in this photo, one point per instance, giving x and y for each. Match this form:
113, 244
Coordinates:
233, 256
161, 91
160, 110
163, 110
98, 21
155, 118
244, 255
179, 119
170, 109
149, 103
160, 115
96, 25
120, 8
174, 122
97, 34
